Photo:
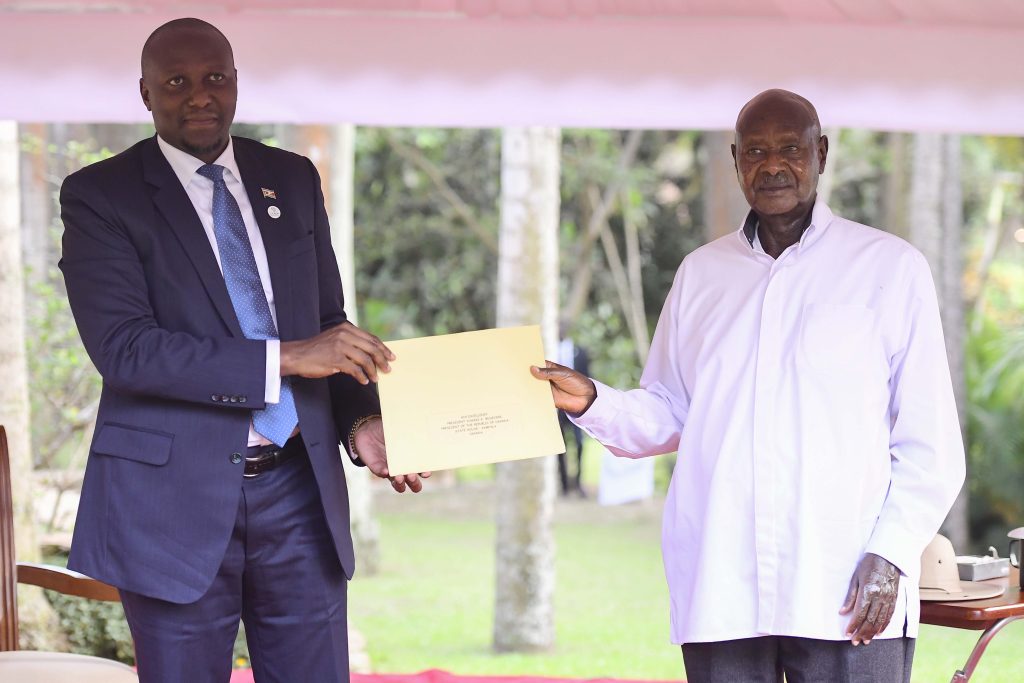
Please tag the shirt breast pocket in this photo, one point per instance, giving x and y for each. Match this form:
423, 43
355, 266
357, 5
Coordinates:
837, 339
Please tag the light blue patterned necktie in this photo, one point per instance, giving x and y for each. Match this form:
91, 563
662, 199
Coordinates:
277, 420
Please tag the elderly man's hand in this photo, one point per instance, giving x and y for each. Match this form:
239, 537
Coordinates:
369, 439
573, 391
871, 598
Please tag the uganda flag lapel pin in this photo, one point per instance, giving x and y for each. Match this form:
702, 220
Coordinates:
268, 194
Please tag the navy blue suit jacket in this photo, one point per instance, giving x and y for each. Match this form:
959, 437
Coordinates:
162, 483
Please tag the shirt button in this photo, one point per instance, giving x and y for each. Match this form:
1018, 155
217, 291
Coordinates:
241, 399
236, 458
215, 397
224, 399
234, 399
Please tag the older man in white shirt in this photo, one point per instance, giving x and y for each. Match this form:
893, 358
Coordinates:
799, 369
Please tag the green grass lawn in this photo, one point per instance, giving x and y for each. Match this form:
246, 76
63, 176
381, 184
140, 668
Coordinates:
431, 605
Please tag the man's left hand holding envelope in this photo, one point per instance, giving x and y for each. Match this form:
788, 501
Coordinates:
369, 442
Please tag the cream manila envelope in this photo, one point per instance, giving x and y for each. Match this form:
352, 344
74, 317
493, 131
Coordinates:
467, 399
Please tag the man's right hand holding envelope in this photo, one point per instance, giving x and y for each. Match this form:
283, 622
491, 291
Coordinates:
572, 391
350, 350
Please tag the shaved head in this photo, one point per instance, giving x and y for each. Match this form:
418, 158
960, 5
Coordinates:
779, 153
190, 84
170, 31
774, 102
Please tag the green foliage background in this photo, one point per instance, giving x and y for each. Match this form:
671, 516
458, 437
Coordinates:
426, 265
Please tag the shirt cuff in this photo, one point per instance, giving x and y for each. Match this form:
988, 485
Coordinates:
272, 392
895, 545
601, 412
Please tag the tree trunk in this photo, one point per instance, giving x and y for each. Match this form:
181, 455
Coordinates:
636, 284
582, 277
953, 318
724, 205
37, 207
995, 230
936, 225
627, 278
365, 529
332, 151
37, 619
527, 294
894, 195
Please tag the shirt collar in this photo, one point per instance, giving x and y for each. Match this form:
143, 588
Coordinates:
821, 218
749, 227
185, 165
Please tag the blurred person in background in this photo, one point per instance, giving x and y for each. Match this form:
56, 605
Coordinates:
573, 356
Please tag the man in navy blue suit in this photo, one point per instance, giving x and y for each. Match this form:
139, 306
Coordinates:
202, 279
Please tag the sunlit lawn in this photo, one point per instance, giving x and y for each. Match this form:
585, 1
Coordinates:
431, 606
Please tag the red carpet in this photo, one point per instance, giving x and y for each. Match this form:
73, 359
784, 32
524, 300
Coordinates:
438, 676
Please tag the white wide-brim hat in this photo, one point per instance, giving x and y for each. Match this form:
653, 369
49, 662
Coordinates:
940, 578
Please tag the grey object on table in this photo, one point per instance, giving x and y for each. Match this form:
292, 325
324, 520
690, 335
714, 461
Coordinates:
981, 568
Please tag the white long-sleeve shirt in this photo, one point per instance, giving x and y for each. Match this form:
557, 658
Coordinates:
810, 401
200, 192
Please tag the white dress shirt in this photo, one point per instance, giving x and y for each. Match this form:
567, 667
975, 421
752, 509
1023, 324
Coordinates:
810, 402
200, 191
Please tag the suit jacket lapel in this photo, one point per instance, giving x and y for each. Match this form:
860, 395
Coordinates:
174, 204
255, 176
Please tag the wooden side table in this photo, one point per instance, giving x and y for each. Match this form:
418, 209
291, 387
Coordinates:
990, 615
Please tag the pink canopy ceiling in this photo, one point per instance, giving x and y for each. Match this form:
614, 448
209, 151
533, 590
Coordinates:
949, 65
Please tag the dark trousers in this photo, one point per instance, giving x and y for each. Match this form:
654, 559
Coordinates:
570, 482
280, 575
801, 660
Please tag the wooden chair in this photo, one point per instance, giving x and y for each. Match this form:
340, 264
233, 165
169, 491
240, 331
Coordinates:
29, 667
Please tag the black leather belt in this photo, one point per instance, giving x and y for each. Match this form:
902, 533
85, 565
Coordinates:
260, 459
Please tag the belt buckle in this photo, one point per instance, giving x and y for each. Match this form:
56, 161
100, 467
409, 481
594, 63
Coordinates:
254, 474
263, 457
